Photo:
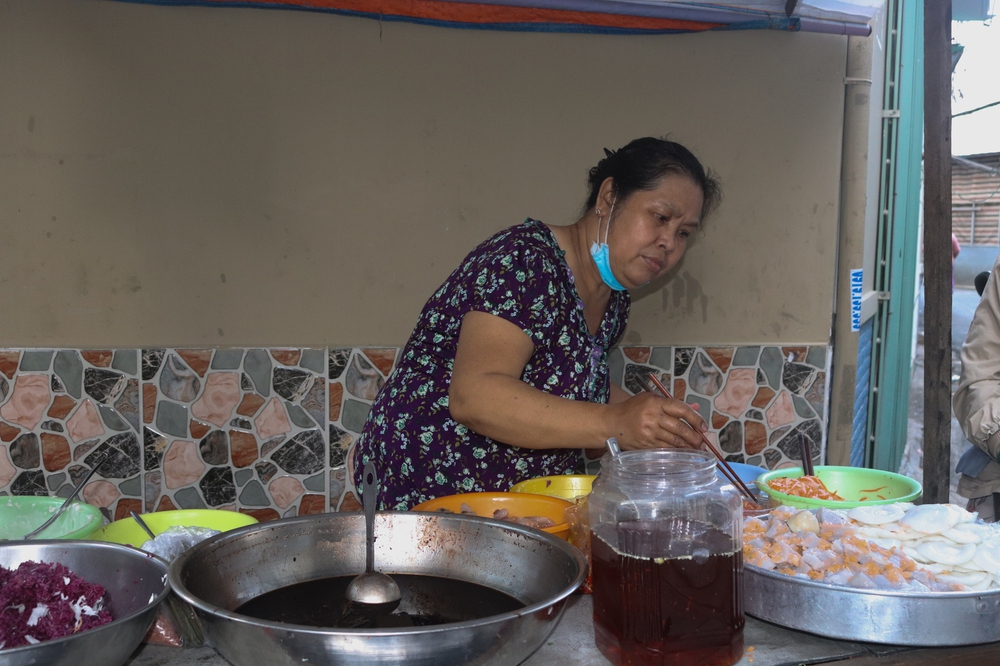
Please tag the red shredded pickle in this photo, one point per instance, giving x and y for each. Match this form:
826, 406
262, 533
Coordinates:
39, 602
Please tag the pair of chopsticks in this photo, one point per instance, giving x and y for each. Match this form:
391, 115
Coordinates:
726, 469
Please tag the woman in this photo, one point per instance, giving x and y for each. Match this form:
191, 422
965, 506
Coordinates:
505, 376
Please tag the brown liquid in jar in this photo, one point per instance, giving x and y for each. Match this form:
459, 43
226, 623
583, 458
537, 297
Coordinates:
651, 610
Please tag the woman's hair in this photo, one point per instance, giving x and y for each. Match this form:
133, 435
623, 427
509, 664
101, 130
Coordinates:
643, 163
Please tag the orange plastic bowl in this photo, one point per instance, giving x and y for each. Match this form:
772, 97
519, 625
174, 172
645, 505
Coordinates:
517, 504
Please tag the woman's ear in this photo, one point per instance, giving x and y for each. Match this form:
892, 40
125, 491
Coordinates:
606, 194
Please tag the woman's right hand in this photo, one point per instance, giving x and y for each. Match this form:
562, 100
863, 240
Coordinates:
647, 421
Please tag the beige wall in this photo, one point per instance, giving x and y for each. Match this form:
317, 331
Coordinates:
224, 177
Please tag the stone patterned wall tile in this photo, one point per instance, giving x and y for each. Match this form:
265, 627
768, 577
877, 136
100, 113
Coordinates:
148, 402
637, 354
219, 399
287, 449
794, 354
196, 359
250, 404
227, 359
257, 366
763, 397
338, 362
771, 361
312, 504
286, 356
36, 361
362, 380
198, 429
244, 448
28, 401
637, 377
104, 386
781, 411
261, 515
151, 361
383, 359
746, 356
126, 361
336, 394
10, 359
816, 357
680, 390
68, 367
99, 358
721, 356
704, 377
314, 359
739, 389
178, 381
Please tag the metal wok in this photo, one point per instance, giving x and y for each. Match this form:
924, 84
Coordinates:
225, 571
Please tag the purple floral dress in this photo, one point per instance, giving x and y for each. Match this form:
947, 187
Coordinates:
519, 274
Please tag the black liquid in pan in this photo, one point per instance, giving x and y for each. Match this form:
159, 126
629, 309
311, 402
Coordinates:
426, 600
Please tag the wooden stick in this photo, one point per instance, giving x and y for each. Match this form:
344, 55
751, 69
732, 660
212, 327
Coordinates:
726, 469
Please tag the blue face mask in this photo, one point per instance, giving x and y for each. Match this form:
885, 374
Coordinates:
602, 255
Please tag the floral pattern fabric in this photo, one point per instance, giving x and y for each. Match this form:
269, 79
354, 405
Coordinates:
419, 451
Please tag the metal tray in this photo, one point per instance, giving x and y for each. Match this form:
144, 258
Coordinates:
873, 616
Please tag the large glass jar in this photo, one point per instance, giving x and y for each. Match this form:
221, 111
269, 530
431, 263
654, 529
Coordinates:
667, 560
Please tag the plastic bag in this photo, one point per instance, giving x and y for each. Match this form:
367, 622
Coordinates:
176, 624
173, 541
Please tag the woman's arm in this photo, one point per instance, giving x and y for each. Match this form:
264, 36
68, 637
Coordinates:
487, 395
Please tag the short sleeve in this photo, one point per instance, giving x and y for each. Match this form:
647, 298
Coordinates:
517, 284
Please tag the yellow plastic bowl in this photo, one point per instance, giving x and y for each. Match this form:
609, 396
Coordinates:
127, 532
567, 487
858, 487
19, 514
517, 504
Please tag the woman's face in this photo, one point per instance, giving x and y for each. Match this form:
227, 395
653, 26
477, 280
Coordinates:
651, 228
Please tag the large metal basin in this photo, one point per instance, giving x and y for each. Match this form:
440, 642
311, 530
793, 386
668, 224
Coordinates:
873, 616
225, 571
136, 583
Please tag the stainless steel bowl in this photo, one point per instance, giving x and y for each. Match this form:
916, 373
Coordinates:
136, 583
222, 573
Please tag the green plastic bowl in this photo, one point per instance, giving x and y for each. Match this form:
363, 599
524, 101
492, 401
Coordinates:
127, 532
858, 487
19, 514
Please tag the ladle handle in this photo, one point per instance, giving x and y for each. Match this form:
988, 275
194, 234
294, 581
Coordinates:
369, 491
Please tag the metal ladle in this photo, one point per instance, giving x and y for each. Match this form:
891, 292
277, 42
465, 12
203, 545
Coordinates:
76, 491
374, 593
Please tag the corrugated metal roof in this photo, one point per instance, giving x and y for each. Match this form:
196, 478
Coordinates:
975, 199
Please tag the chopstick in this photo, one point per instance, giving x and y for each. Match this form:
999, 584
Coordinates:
726, 469
807, 461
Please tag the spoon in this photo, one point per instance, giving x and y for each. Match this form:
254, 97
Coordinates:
613, 447
76, 491
142, 524
373, 592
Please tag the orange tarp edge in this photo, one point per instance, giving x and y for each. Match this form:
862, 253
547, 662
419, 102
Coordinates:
462, 12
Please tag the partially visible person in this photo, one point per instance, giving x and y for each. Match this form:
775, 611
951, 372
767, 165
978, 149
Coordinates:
977, 405
505, 376
956, 249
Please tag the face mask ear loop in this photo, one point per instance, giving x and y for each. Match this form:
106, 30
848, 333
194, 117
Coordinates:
607, 229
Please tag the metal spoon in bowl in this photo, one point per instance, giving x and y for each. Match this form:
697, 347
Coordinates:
374, 593
76, 491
